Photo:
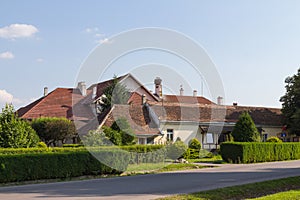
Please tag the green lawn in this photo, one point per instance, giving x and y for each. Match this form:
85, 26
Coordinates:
288, 195
249, 191
160, 167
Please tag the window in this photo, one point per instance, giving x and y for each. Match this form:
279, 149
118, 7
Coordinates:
170, 135
209, 138
142, 141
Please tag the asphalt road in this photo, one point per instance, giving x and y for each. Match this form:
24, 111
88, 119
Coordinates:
154, 185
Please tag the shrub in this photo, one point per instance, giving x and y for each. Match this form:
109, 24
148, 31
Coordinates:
53, 129
245, 129
176, 150
194, 144
15, 132
252, 152
274, 139
98, 138
122, 126
22, 167
41, 145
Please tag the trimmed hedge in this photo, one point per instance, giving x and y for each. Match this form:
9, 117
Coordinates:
133, 148
252, 152
23, 167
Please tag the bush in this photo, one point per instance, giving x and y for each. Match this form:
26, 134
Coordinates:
252, 152
41, 145
194, 144
176, 150
53, 129
73, 145
274, 139
245, 129
25, 167
15, 132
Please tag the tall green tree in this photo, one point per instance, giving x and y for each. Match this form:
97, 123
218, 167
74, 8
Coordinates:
245, 129
15, 132
116, 93
291, 104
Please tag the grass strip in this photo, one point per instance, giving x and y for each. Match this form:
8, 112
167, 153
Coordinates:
246, 191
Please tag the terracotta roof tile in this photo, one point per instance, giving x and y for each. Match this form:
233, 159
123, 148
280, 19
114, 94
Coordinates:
61, 102
137, 118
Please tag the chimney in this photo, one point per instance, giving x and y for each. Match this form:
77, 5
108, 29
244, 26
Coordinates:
181, 90
194, 93
94, 92
158, 87
82, 87
144, 100
220, 100
45, 91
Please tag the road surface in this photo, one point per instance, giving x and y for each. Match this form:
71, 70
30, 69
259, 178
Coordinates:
154, 185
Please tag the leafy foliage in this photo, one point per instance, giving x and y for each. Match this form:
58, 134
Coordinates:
116, 93
245, 129
176, 150
194, 144
114, 136
291, 103
52, 129
96, 138
274, 139
15, 132
22, 167
122, 126
252, 152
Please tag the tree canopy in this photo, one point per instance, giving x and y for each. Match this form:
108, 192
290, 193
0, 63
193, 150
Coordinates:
52, 129
116, 93
15, 132
245, 129
291, 103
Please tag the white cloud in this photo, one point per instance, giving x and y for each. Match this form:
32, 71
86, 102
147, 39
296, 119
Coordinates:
14, 31
5, 97
6, 55
39, 60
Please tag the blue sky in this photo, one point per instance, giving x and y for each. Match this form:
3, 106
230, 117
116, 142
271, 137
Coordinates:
255, 45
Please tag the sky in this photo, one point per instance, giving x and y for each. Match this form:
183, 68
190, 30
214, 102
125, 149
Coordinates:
254, 45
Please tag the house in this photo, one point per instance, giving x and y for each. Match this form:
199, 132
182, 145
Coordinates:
154, 118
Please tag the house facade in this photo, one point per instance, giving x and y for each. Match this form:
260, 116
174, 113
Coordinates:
154, 117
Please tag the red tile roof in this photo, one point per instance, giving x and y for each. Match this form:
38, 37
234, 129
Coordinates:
186, 99
136, 115
203, 113
58, 103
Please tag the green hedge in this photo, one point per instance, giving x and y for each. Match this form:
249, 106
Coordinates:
252, 152
133, 148
23, 167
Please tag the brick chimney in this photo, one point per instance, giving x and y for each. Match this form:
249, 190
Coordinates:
181, 90
45, 91
158, 86
220, 100
82, 87
194, 93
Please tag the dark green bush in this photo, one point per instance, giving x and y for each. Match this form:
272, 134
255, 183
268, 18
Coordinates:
252, 152
22, 167
52, 129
